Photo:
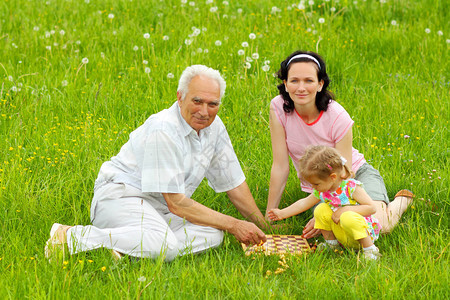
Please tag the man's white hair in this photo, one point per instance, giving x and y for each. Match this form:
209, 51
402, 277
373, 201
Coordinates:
195, 70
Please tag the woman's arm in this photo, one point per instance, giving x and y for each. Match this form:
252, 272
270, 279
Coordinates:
366, 205
345, 147
280, 165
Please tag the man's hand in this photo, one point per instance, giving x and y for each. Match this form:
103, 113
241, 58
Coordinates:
309, 231
247, 232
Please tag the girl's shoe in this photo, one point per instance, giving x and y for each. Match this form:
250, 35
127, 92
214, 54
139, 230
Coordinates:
373, 254
327, 247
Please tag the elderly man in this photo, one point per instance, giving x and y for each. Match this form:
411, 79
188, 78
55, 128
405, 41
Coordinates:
142, 203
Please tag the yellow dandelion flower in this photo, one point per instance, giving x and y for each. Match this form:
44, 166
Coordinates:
65, 263
103, 269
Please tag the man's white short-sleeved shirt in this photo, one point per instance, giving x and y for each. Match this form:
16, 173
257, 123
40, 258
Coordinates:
165, 155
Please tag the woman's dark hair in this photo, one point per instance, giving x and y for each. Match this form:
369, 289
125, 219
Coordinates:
323, 98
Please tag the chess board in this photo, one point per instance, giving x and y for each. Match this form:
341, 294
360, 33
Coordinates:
279, 244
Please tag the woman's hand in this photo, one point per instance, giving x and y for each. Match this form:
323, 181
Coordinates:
309, 231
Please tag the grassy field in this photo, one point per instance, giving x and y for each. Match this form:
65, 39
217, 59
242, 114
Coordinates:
76, 77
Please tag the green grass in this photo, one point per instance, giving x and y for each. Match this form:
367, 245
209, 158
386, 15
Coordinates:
60, 119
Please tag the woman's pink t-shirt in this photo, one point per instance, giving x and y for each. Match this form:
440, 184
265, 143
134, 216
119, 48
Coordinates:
327, 130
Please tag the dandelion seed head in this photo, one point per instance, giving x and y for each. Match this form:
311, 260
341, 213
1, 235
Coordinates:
249, 59
265, 68
85, 60
10, 78
440, 33
244, 44
427, 30
147, 70
170, 75
213, 9
78, 42
36, 28
225, 3
111, 16
188, 42
218, 43
333, 9
14, 88
145, 62
146, 35
255, 55
394, 23
239, 10
64, 83
142, 279
252, 36
166, 38
49, 48
311, 2
321, 20
87, 1
135, 48
301, 6
247, 65
241, 52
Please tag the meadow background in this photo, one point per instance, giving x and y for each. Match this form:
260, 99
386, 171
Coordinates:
76, 77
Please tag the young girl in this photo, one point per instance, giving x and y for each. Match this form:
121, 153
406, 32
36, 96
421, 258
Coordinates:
345, 214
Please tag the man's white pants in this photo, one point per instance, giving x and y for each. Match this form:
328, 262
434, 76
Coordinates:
135, 224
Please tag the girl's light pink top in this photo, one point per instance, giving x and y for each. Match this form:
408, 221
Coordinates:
327, 130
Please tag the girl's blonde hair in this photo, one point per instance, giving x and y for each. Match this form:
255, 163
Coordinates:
321, 161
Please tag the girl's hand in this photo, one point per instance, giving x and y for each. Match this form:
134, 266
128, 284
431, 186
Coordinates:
275, 214
336, 216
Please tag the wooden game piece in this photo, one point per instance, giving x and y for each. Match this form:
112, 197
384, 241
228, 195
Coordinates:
279, 244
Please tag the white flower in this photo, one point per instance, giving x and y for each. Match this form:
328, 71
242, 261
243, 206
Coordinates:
147, 70
427, 30
252, 36
54, 44
183, 1
85, 60
52, 32
213, 9
301, 6
321, 20
145, 62
333, 9
394, 23
448, 41
199, 50
36, 28
225, 3
62, 32
205, 51
204, 29
135, 48
244, 44
267, 62
170, 76
86, 1
192, 3
218, 43
249, 59
241, 52
49, 48
274, 10
10, 78
440, 33
187, 42
14, 89
209, 1
311, 2
142, 279
166, 38
78, 42
196, 32
225, 16
247, 65
102, 55
255, 55
111, 16
146, 36
114, 32
64, 83
239, 11
265, 68
47, 34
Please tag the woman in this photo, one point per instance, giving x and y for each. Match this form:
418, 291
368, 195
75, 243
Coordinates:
305, 114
